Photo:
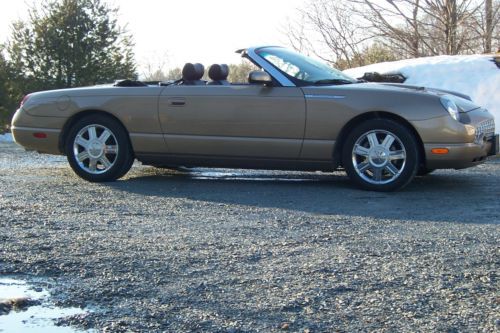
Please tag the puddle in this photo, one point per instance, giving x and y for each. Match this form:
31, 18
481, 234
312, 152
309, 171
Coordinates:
35, 318
257, 175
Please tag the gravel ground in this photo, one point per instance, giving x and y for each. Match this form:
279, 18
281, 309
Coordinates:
255, 251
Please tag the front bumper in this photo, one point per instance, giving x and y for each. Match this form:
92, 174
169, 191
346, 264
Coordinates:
461, 155
495, 147
467, 143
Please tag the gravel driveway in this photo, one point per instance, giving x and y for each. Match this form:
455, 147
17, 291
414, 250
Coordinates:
255, 251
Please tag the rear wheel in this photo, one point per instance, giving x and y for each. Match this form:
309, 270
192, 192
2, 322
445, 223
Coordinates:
380, 155
98, 149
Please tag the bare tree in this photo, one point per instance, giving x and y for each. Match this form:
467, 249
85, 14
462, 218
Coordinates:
447, 24
154, 67
173, 74
397, 24
488, 7
333, 25
342, 32
238, 73
488, 26
297, 34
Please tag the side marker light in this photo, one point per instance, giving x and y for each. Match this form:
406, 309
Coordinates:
440, 151
40, 135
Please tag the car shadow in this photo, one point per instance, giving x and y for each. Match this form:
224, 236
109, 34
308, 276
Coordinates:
447, 196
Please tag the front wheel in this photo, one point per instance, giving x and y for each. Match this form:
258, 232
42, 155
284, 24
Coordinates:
380, 155
98, 149
423, 171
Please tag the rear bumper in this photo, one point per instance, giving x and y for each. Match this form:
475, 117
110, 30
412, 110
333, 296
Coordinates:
26, 130
461, 156
25, 136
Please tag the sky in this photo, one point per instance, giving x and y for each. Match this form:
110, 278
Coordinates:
173, 32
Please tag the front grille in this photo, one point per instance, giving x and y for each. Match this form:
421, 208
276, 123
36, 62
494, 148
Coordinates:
485, 130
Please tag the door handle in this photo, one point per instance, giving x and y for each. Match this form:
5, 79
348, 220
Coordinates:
177, 101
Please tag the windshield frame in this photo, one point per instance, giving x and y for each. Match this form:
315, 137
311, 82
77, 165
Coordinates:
317, 70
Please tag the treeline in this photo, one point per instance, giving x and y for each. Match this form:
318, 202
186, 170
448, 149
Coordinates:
360, 32
63, 44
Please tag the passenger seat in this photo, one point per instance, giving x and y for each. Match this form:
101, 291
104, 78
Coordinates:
218, 73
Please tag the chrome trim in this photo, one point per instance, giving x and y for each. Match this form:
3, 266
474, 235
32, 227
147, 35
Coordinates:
325, 96
282, 79
379, 162
485, 130
39, 129
97, 153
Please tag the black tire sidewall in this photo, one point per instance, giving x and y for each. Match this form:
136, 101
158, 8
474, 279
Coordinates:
123, 160
407, 139
423, 171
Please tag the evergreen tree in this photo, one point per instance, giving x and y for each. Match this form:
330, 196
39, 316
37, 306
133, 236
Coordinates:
5, 100
70, 43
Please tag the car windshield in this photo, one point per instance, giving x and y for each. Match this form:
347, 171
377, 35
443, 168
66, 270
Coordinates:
301, 69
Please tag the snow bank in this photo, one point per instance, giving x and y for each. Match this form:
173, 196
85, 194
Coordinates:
6, 137
474, 75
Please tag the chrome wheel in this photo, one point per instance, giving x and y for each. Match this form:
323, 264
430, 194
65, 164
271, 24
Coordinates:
379, 157
95, 149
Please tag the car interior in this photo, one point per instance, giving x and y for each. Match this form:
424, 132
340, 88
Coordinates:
192, 75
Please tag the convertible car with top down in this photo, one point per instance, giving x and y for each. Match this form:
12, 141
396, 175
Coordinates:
294, 113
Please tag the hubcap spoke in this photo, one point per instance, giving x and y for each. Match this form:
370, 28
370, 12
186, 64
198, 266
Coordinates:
388, 140
82, 142
362, 167
391, 169
83, 156
362, 151
372, 139
91, 152
111, 149
92, 133
397, 155
104, 136
379, 161
93, 164
105, 162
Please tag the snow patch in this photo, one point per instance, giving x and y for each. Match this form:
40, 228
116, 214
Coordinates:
32, 318
6, 137
473, 75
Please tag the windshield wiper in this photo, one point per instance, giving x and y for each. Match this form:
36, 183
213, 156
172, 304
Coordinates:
333, 81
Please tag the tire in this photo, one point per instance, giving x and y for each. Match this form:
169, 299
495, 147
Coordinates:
98, 149
380, 155
423, 171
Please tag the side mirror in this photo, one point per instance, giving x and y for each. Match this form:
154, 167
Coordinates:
260, 77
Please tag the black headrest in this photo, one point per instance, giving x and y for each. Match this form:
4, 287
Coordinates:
218, 72
192, 72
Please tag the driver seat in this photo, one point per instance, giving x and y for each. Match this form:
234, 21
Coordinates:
192, 74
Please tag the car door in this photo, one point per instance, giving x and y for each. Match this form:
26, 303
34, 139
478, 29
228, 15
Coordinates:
233, 121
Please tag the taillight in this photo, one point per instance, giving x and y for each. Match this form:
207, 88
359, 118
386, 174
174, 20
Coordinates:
25, 98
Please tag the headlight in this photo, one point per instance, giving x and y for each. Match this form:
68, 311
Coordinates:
451, 107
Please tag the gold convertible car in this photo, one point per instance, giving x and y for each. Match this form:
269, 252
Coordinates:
295, 113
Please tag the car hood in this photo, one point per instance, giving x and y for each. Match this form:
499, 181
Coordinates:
463, 101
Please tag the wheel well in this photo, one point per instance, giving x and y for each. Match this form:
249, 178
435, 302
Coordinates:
339, 143
76, 117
